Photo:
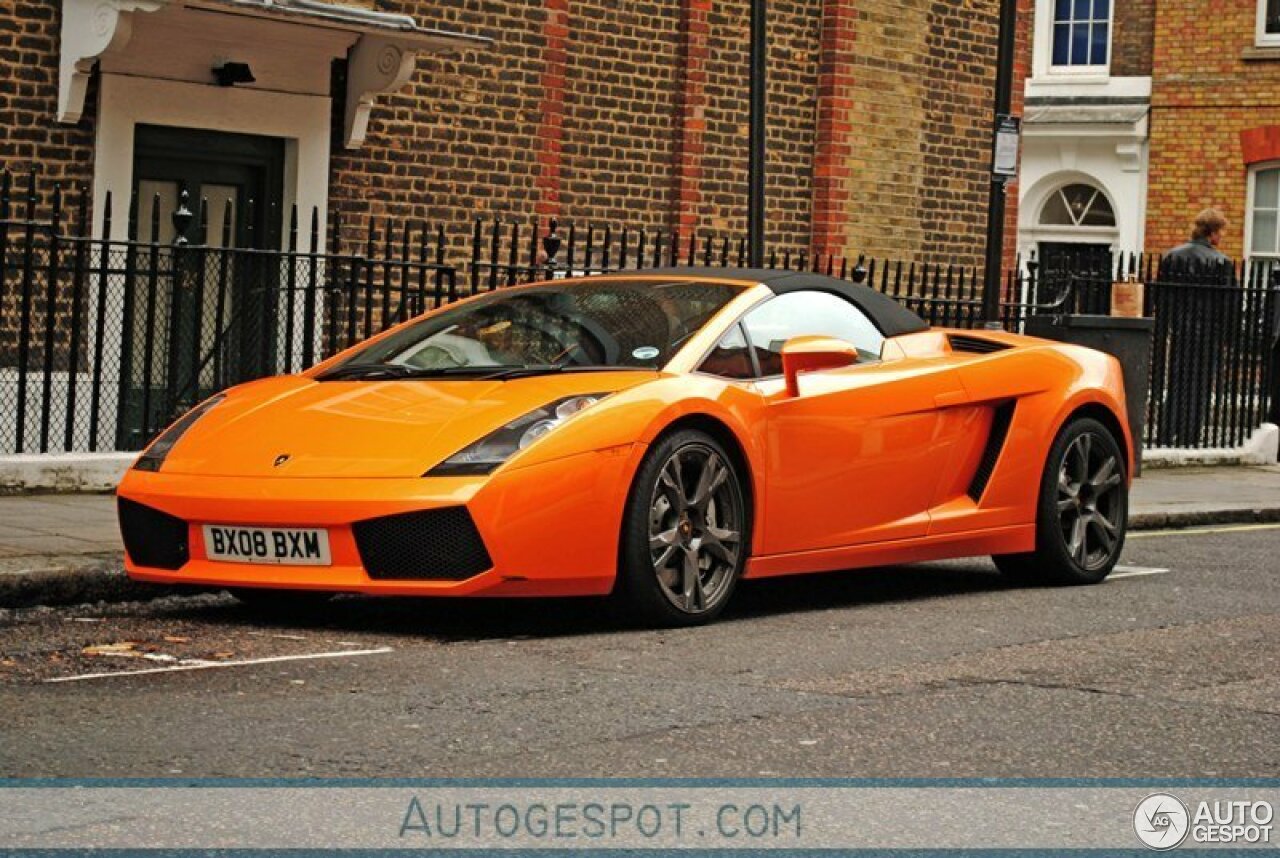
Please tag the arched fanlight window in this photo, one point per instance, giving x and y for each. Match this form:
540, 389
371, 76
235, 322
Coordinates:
1077, 205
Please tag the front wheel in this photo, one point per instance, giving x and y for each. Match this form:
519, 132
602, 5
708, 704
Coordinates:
1082, 510
685, 533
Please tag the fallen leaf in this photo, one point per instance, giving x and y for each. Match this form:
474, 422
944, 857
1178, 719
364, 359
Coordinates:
121, 648
177, 639
223, 655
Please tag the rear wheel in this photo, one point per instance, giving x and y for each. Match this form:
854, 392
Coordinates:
1082, 511
685, 533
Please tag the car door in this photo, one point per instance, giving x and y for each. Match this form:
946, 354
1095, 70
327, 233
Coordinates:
856, 456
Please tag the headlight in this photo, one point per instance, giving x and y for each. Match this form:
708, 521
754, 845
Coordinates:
496, 447
153, 457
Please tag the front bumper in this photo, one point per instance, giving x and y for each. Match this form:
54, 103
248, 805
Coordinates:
549, 529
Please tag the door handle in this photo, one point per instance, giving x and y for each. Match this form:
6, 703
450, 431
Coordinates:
950, 398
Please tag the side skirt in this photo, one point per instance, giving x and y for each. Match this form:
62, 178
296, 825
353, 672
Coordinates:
997, 540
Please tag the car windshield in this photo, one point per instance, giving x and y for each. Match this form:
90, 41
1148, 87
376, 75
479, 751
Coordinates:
561, 326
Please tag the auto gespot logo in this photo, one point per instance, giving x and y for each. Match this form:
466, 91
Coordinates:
1163, 821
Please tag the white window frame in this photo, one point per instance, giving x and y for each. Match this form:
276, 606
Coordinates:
1263, 39
1102, 70
1249, 254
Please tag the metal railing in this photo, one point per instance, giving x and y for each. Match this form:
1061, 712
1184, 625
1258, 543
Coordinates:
105, 337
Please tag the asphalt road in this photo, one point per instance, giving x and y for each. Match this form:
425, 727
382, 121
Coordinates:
938, 670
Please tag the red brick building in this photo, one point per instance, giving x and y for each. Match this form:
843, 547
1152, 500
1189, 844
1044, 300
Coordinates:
1215, 129
409, 112
592, 110
1139, 113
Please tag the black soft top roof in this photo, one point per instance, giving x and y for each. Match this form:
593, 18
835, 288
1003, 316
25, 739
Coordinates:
887, 314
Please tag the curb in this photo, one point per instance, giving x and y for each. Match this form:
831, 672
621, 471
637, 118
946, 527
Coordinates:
100, 577
73, 581
1199, 518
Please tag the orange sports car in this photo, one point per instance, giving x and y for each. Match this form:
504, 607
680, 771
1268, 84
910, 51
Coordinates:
656, 436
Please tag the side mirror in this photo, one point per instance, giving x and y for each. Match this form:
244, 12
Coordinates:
806, 354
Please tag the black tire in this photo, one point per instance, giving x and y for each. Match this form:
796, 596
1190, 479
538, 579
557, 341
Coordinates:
677, 537
273, 601
1082, 511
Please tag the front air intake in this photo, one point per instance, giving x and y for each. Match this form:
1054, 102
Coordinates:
434, 544
152, 538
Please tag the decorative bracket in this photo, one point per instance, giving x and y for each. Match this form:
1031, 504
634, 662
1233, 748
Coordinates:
375, 65
1130, 156
90, 28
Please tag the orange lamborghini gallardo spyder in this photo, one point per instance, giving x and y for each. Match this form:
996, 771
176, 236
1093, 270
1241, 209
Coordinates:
655, 436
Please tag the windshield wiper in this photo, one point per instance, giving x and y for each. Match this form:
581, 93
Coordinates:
493, 372
383, 371
548, 368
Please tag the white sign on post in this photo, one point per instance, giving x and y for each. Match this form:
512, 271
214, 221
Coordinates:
1004, 164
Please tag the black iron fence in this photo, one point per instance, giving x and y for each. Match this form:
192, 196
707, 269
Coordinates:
1215, 358
106, 335
105, 338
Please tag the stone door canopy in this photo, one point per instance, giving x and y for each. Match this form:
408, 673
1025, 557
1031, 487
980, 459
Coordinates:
295, 39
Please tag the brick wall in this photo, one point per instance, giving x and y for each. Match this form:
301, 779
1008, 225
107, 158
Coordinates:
1134, 23
585, 108
1203, 97
30, 139
960, 53
29, 99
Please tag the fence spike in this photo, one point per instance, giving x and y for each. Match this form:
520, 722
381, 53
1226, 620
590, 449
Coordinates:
106, 217
315, 228
568, 259
86, 230
31, 194
204, 221
131, 217
155, 218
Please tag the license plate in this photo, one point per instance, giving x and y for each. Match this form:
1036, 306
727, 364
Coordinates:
290, 546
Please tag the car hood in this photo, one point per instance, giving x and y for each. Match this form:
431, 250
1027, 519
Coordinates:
367, 429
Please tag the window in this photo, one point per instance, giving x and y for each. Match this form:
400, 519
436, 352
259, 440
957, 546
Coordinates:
1264, 216
1269, 22
730, 358
1078, 205
1082, 33
798, 314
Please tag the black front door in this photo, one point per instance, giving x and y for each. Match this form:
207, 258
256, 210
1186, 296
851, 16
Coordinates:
1087, 266
202, 316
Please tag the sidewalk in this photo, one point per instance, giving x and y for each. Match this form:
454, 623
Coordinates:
62, 548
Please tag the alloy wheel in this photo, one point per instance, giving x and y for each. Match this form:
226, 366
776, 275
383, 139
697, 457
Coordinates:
695, 528
1090, 502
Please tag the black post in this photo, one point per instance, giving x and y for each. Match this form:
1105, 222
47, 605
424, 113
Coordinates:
995, 203
756, 136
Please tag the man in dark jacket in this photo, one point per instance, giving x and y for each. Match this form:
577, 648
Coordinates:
1193, 294
1202, 250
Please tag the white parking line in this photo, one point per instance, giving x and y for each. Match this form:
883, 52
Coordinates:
1200, 531
202, 664
1135, 572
